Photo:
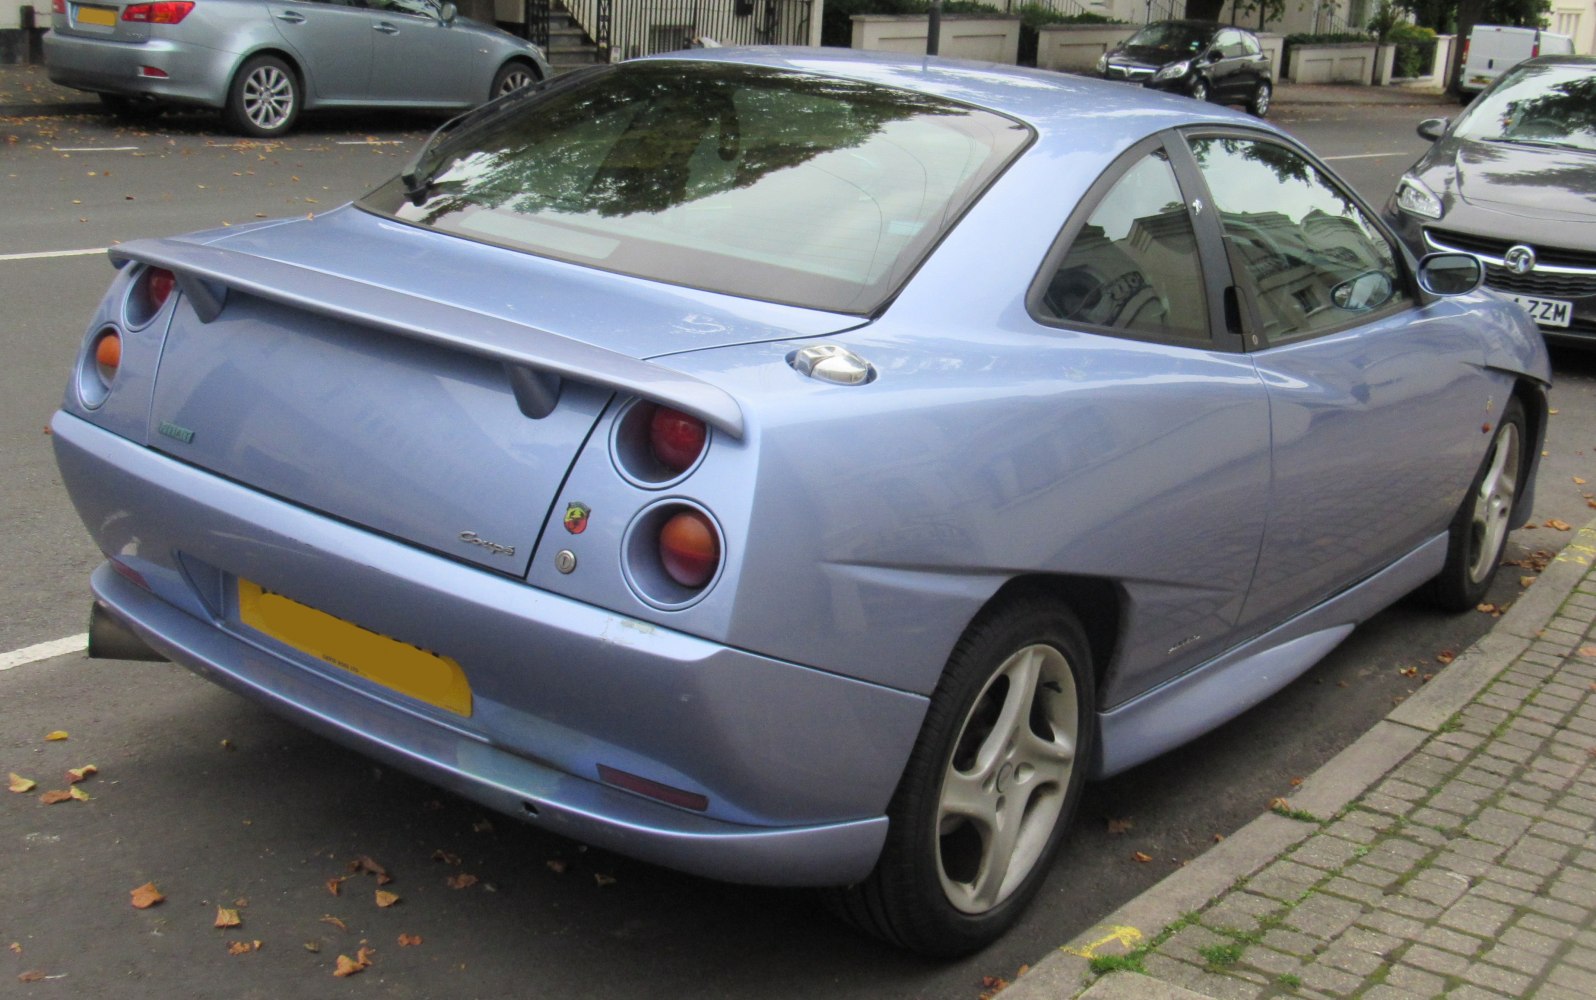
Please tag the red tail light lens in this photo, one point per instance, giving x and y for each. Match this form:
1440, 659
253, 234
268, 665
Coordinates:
108, 356
676, 438
58, 6
163, 12
689, 548
158, 285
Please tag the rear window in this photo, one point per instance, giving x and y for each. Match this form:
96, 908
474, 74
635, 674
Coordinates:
771, 185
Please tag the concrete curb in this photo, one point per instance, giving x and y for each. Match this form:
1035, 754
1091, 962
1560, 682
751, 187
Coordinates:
1066, 972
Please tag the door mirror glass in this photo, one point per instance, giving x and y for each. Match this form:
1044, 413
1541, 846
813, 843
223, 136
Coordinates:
1369, 290
1432, 128
448, 12
1450, 273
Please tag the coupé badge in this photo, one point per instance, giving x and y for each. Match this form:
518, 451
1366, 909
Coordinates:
176, 432
472, 538
576, 517
1519, 259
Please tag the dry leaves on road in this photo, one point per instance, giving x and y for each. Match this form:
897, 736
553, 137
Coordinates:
1557, 525
242, 947
56, 736
1119, 826
349, 966
19, 784
1141, 857
77, 774
409, 940
386, 899
364, 865
228, 918
460, 881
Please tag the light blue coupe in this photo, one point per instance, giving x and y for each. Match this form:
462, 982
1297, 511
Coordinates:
263, 61
798, 467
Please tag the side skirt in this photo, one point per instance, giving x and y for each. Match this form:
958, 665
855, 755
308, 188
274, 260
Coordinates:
1217, 691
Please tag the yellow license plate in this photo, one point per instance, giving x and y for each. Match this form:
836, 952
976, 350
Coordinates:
409, 670
105, 17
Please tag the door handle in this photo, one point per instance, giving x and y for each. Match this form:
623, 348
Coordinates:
292, 17
386, 28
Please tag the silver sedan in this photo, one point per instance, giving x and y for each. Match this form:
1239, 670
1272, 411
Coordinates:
263, 61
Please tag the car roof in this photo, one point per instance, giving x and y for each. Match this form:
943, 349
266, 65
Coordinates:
1083, 113
1566, 59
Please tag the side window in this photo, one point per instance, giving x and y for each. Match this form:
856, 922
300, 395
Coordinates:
1229, 44
1313, 261
1249, 45
1133, 266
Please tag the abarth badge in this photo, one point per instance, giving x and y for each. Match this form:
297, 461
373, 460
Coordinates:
576, 517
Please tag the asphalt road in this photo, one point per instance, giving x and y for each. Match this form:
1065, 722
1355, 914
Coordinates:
222, 804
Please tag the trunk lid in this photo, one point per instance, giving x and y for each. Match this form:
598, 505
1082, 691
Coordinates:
416, 384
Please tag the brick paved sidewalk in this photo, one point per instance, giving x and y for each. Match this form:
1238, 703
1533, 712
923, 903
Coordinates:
1450, 853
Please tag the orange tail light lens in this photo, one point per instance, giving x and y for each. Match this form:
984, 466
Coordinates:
108, 356
689, 548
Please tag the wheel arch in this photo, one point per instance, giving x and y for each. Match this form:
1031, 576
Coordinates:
1096, 601
1531, 395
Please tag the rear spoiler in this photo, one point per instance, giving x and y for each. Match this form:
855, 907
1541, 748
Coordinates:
536, 360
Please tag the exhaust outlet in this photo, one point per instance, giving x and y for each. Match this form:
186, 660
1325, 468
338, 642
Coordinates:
110, 639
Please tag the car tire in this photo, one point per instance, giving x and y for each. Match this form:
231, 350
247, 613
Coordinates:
130, 108
1479, 530
512, 76
1199, 89
1258, 106
990, 787
263, 100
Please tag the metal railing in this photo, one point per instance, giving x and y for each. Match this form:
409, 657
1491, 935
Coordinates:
623, 29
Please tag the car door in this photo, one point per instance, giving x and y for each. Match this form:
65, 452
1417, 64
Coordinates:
1231, 69
332, 40
1376, 398
418, 59
1170, 410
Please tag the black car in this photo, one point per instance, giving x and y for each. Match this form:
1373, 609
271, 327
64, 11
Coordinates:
1202, 59
1513, 182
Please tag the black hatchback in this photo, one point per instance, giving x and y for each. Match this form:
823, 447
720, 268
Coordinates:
1202, 59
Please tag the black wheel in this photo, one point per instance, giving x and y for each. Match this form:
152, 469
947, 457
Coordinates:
512, 76
1258, 106
1199, 89
990, 787
130, 108
1479, 530
264, 98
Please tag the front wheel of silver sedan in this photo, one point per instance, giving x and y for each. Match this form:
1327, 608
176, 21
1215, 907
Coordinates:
990, 787
1478, 534
264, 98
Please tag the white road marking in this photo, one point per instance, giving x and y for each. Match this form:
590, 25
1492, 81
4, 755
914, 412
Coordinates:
368, 142
42, 254
1365, 156
44, 651
94, 149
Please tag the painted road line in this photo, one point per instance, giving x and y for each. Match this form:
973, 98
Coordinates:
368, 142
44, 651
1365, 156
94, 149
42, 254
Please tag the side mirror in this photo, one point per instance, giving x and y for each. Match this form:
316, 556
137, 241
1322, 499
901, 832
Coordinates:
1433, 128
1450, 273
448, 12
1369, 290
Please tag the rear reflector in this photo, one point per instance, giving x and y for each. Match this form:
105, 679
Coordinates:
152, 72
653, 789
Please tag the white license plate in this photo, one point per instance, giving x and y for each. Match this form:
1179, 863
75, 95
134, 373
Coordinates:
1546, 312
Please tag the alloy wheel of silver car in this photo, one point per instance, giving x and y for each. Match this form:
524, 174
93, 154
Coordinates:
264, 98
1478, 534
1006, 778
990, 787
511, 78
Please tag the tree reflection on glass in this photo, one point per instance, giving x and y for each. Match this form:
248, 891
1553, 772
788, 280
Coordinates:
1553, 105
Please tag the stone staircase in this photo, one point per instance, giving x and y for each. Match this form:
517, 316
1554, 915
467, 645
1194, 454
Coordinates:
569, 46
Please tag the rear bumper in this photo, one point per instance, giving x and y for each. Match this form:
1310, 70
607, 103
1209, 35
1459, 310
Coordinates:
194, 75
797, 764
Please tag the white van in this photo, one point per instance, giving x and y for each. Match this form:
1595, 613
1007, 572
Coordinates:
1492, 48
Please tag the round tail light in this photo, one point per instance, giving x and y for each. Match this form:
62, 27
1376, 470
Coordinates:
108, 356
689, 548
676, 438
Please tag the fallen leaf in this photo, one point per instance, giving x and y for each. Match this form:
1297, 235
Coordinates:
557, 866
461, 881
1526, 581
1296, 782
348, 966
242, 947
335, 884
227, 918
1559, 525
1141, 857
447, 857
1219, 838
16, 947
31, 976
1445, 656
1587, 651
145, 896
77, 774
56, 736
1279, 803
314, 947
1409, 671
386, 899
603, 880
330, 919
228, 745
77, 793
364, 864
1485, 608
20, 784
409, 940
1119, 826
59, 795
